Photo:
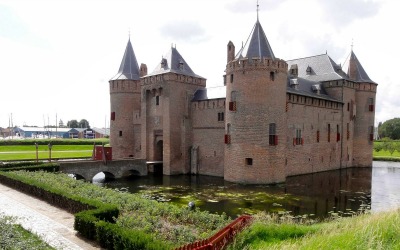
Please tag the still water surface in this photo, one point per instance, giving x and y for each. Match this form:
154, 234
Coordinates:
320, 194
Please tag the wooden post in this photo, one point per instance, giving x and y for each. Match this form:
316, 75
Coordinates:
37, 154
50, 146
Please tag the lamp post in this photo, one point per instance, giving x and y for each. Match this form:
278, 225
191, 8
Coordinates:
50, 146
37, 155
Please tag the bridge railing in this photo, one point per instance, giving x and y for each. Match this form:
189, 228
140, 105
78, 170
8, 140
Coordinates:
221, 239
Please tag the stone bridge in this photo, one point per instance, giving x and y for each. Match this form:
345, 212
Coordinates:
113, 169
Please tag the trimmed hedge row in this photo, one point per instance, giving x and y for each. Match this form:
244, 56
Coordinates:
93, 219
30, 166
55, 142
384, 158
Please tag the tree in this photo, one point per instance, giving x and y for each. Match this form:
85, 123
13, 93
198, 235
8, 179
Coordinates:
73, 124
83, 124
390, 129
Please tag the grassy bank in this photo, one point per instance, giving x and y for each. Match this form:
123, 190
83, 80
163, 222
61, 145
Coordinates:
13, 236
366, 231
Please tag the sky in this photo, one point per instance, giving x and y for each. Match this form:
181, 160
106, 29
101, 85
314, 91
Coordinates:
56, 56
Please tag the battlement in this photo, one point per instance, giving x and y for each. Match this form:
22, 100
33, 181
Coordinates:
124, 86
358, 86
147, 80
257, 63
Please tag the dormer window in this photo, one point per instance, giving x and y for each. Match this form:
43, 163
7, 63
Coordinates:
294, 84
309, 70
316, 88
294, 70
181, 65
163, 63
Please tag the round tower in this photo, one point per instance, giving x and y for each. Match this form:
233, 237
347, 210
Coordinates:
255, 125
363, 114
125, 107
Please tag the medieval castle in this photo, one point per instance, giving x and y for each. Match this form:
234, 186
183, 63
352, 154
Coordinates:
271, 119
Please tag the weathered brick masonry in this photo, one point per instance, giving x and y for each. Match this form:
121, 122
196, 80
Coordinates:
271, 119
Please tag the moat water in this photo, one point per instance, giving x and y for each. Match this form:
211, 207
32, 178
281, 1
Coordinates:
342, 192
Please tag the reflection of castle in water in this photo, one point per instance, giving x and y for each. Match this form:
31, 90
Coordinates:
340, 190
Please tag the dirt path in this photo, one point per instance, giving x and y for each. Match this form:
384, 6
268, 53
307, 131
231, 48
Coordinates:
53, 225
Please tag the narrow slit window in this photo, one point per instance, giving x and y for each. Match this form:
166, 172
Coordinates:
157, 100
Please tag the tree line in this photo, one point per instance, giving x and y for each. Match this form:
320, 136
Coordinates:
390, 129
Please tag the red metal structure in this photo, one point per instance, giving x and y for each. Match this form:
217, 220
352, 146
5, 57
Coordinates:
221, 239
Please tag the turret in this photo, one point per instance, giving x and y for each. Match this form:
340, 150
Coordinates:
255, 113
364, 112
125, 107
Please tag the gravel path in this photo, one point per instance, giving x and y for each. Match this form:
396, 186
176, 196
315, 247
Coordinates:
53, 225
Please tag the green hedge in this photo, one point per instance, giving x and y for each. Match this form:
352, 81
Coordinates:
384, 158
30, 166
19, 164
93, 219
111, 236
55, 141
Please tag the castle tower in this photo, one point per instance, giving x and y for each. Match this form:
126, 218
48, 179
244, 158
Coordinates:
364, 112
125, 107
255, 125
166, 96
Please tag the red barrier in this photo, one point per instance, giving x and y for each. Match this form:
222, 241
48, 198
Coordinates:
221, 238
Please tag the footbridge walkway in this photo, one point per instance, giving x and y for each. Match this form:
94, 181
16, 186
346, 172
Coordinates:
113, 169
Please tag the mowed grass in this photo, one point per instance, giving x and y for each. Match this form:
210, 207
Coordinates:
366, 231
27, 152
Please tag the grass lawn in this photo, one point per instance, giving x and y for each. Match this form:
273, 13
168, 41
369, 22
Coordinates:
367, 231
26, 152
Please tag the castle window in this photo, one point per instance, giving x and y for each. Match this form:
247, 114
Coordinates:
337, 133
298, 140
371, 133
273, 138
231, 78
221, 116
120, 133
157, 100
348, 131
371, 104
232, 103
112, 116
329, 132
249, 161
227, 137
272, 76
317, 135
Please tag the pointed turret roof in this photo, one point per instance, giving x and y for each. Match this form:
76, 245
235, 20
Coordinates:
172, 61
129, 69
257, 45
356, 71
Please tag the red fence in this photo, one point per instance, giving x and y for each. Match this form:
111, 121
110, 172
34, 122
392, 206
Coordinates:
220, 239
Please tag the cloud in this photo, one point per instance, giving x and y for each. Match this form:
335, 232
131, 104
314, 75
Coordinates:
183, 31
248, 6
343, 12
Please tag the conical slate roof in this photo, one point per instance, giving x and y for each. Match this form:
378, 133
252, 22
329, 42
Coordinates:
257, 45
356, 71
129, 69
172, 61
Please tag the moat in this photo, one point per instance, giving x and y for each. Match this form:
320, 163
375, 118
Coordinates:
317, 195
